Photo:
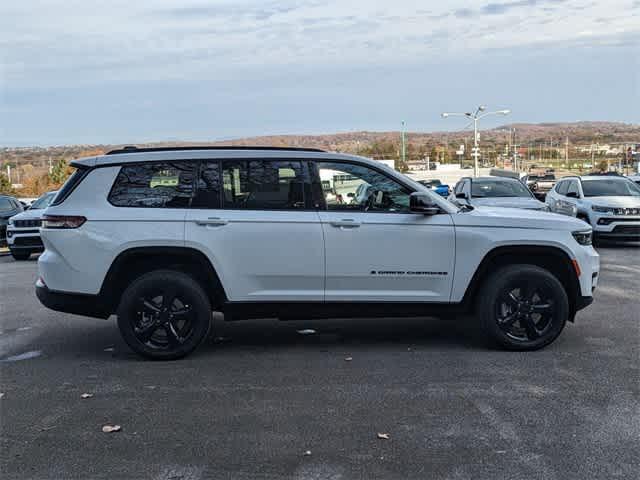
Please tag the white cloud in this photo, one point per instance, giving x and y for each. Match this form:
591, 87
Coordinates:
63, 42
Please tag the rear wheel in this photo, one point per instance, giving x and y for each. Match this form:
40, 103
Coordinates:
20, 255
523, 307
164, 315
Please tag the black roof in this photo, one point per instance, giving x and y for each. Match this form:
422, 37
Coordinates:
134, 149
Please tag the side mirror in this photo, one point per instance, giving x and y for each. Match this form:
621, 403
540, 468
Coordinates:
423, 204
461, 195
351, 195
572, 195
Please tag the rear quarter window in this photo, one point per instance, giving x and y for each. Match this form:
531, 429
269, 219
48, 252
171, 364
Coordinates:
154, 185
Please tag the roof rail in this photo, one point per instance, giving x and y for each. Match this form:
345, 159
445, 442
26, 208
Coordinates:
134, 149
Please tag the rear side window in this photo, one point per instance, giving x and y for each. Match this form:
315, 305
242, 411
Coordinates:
154, 185
72, 182
263, 184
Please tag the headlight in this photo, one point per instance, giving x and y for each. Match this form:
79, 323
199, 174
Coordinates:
11, 221
597, 208
583, 237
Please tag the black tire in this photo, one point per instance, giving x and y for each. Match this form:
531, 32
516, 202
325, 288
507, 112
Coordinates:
20, 255
164, 315
522, 307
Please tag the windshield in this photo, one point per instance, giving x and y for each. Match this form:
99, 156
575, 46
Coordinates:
498, 188
43, 201
610, 187
6, 205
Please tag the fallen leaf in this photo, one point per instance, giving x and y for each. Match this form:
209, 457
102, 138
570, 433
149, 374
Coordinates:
86, 395
348, 359
306, 331
110, 348
109, 428
1, 395
307, 453
383, 436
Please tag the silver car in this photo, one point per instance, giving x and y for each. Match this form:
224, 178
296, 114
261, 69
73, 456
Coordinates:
610, 204
494, 192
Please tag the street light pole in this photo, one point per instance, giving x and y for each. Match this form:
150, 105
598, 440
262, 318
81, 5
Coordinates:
403, 151
475, 117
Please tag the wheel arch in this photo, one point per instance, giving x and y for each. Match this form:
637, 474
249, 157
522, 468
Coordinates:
135, 261
551, 258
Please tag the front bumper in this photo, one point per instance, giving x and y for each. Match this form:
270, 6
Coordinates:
24, 239
615, 227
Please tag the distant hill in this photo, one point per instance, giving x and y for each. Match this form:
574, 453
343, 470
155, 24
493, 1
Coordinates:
577, 133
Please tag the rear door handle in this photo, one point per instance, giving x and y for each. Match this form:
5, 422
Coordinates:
345, 223
212, 222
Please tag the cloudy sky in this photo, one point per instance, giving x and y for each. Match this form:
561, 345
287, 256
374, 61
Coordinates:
126, 71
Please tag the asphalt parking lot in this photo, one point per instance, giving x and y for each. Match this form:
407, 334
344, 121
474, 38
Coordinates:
259, 396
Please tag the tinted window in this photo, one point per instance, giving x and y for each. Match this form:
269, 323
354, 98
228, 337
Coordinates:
208, 186
6, 204
573, 187
43, 201
498, 188
154, 185
561, 188
459, 187
263, 184
615, 187
355, 187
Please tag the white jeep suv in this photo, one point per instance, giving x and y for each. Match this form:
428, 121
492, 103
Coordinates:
609, 203
164, 237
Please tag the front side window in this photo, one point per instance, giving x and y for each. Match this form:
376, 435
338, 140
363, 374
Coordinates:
356, 187
573, 187
263, 184
154, 185
561, 188
6, 205
610, 187
498, 188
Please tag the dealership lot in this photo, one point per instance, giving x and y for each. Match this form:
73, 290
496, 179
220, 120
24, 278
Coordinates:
260, 395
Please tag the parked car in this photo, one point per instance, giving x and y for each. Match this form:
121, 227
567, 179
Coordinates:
9, 207
163, 237
23, 231
634, 178
610, 204
437, 186
494, 192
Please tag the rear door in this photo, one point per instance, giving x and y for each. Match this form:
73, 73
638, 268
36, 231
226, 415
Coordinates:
375, 249
255, 221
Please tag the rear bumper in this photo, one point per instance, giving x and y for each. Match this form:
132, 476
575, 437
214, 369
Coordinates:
77, 304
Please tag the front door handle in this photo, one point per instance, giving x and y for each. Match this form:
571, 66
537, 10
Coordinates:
212, 222
345, 223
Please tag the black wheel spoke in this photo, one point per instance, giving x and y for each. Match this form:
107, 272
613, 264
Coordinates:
507, 321
512, 299
173, 337
145, 333
529, 327
168, 297
541, 307
149, 306
182, 313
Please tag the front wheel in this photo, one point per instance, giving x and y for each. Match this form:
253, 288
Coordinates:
523, 307
164, 315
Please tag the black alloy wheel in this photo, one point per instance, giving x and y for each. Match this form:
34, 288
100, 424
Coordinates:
523, 307
164, 314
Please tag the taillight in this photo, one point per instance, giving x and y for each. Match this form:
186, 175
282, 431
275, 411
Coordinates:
62, 221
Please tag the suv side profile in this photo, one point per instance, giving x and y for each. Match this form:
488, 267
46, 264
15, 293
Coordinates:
164, 237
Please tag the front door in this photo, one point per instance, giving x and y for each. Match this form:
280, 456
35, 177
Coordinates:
376, 250
255, 220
